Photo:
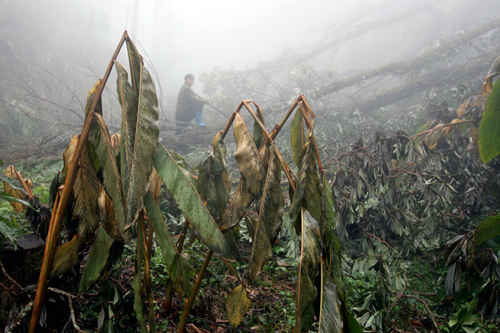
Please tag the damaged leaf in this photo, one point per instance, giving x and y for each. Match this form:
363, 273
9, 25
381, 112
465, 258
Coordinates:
237, 305
247, 157
269, 222
190, 203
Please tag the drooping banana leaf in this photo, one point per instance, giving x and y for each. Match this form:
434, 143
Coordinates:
86, 189
247, 157
329, 236
139, 145
257, 131
128, 100
111, 176
297, 137
219, 148
177, 266
241, 199
334, 316
333, 263
190, 203
330, 316
65, 257
310, 255
269, 222
108, 217
135, 62
97, 261
93, 130
214, 185
308, 191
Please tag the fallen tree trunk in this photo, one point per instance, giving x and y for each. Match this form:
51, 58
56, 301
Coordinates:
405, 67
428, 81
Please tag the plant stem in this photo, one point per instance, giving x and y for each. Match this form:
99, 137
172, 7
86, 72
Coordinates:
59, 210
167, 303
189, 303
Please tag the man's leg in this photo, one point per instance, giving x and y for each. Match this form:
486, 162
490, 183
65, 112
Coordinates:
198, 117
198, 120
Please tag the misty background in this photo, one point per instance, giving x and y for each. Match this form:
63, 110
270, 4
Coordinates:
52, 52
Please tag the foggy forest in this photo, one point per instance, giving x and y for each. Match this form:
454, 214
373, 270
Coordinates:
264, 166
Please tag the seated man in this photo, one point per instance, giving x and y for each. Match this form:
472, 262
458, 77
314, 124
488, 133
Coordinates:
189, 105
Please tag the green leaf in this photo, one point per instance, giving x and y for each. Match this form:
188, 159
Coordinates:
139, 143
14, 183
330, 316
310, 255
462, 316
190, 203
1, 162
93, 130
214, 185
354, 325
11, 234
98, 258
269, 221
489, 130
137, 284
65, 257
175, 263
110, 173
242, 198
9, 197
330, 237
219, 148
297, 137
247, 157
237, 305
308, 192
17, 192
108, 217
487, 229
86, 189
128, 100
136, 63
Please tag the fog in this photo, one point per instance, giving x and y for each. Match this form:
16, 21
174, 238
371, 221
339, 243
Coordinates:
280, 40
194, 36
179, 37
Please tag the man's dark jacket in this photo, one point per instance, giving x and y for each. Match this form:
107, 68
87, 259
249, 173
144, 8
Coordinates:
188, 103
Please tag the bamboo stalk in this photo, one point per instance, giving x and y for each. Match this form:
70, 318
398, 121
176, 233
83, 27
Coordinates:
57, 215
189, 302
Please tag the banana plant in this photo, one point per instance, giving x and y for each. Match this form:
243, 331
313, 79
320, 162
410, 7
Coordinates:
115, 182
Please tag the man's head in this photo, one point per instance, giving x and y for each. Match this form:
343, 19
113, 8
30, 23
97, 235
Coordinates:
189, 79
